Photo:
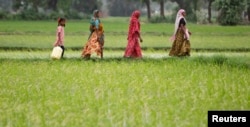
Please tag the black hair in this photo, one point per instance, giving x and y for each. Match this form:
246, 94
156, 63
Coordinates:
60, 20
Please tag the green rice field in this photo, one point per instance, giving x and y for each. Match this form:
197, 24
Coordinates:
41, 34
155, 91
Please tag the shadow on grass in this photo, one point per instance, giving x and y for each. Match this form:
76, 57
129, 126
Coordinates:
122, 49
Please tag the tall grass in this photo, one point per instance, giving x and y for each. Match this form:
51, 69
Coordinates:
157, 90
120, 41
120, 92
41, 35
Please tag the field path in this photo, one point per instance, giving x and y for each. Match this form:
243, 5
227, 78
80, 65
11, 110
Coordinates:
109, 54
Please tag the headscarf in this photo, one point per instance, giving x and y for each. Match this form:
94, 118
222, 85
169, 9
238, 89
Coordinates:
93, 20
179, 16
135, 14
95, 12
134, 25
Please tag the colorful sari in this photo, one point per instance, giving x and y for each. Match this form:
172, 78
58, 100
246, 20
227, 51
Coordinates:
133, 48
181, 44
95, 42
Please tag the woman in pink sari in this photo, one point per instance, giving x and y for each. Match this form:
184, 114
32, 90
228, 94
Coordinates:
133, 49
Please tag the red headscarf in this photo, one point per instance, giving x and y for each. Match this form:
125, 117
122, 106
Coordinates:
134, 25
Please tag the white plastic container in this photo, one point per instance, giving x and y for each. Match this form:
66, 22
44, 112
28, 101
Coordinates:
56, 53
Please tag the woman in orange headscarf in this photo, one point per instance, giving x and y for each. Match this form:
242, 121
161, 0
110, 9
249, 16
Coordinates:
180, 38
96, 39
133, 49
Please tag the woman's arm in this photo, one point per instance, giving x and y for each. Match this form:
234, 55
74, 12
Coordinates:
185, 31
139, 35
137, 30
183, 27
58, 37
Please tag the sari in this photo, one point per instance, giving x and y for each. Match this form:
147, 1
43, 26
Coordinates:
133, 48
181, 44
95, 41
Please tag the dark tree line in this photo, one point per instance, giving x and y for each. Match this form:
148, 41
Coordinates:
86, 6
230, 10
123, 7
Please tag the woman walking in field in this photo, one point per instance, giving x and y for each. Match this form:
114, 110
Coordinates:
60, 34
133, 49
95, 41
181, 44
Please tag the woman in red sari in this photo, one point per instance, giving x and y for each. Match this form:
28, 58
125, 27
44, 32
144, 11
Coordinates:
133, 49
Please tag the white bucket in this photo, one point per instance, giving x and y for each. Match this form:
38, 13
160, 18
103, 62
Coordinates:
56, 53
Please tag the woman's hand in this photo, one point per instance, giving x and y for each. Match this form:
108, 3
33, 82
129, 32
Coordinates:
141, 40
55, 44
189, 33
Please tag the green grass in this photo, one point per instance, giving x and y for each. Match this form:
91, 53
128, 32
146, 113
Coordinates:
75, 54
157, 90
41, 34
119, 92
120, 41
116, 25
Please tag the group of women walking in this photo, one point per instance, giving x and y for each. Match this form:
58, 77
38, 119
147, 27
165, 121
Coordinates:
95, 43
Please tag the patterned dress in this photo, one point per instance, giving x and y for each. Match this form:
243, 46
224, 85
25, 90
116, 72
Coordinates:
181, 44
95, 42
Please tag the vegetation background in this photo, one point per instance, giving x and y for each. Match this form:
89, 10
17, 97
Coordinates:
224, 12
